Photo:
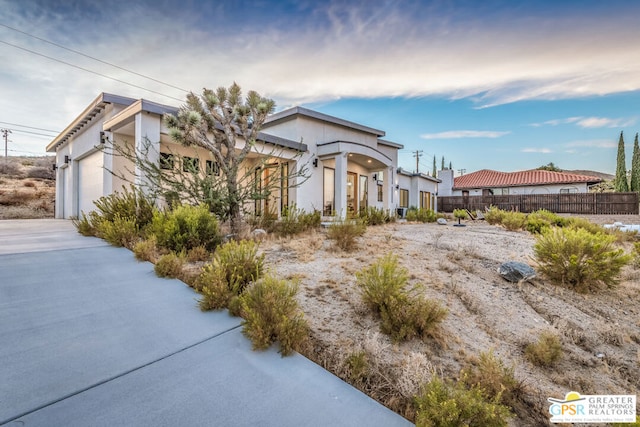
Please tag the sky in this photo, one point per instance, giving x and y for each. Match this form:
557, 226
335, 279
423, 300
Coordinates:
505, 85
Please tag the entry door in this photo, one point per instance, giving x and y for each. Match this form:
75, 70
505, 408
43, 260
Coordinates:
363, 188
352, 193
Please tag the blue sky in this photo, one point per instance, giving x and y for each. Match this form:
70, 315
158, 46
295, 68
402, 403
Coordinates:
505, 85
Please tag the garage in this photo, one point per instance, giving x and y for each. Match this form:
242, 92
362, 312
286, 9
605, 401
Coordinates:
90, 180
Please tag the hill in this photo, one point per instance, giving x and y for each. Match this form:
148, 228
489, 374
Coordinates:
27, 187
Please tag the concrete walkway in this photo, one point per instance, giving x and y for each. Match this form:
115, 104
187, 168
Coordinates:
90, 337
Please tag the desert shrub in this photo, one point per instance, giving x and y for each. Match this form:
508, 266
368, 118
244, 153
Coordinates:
29, 184
129, 203
234, 266
357, 365
405, 313
185, 228
576, 223
460, 213
119, 231
542, 220
297, 221
494, 215
267, 221
41, 172
375, 216
446, 404
546, 351
84, 225
16, 198
240, 263
146, 250
271, 313
636, 255
494, 378
169, 265
11, 169
421, 215
345, 233
198, 253
513, 221
579, 259
216, 292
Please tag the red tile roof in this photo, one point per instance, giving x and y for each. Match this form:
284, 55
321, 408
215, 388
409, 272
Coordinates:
486, 178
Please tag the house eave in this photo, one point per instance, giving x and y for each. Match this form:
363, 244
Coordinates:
85, 117
291, 113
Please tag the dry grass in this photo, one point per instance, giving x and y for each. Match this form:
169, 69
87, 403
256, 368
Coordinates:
25, 198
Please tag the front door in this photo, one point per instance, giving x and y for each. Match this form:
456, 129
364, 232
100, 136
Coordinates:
352, 193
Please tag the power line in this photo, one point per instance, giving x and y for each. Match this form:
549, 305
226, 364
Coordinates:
89, 71
33, 133
30, 127
95, 59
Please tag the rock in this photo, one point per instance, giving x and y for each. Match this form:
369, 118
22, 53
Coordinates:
442, 221
258, 234
514, 271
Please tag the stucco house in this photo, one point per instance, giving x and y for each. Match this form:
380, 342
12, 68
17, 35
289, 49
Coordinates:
490, 182
351, 166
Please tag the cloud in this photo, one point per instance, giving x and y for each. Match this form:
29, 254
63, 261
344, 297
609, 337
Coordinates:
456, 134
600, 122
593, 143
537, 150
556, 122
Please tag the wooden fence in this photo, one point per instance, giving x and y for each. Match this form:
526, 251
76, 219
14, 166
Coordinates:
576, 203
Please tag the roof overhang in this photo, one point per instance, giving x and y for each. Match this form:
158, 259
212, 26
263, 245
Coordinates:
292, 113
360, 153
85, 117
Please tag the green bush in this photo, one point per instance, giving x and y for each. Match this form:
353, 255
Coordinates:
234, 266
271, 313
494, 215
169, 265
421, 215
297, 221
185, 228
83, 225
345, 233
491, 376
514, 221
375, 216
636, 255
129, 203
119, 231
460, 213
578, 259
405, 313
146, 250
447, 404
546, 351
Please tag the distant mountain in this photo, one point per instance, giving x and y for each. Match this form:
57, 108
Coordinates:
605, 176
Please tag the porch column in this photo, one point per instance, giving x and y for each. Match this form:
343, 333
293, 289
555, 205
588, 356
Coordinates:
147, 138
341, 185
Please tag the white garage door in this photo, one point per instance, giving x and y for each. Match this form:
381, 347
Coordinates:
89, 181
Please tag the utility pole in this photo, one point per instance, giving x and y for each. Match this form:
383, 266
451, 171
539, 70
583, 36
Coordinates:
417, 154
5, 135
462, 171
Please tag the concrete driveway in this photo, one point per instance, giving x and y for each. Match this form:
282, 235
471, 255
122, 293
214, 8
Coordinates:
91, 337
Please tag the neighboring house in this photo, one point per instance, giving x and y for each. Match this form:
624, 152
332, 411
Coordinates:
490, 182
350, 166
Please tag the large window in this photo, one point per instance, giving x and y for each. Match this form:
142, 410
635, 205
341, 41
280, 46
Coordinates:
380, 193
212, 168
166, 161
284, 188
425, 200
329, 183
364, 192
404, 198
190, 164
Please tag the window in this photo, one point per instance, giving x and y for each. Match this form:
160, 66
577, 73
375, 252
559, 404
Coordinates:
190, 164
257, 190
167, 161
404, 198
425, 200
284, 189
568, 190
363, 191
380, 193
212, 168
329, 191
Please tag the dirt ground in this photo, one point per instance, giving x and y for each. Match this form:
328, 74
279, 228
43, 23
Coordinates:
458, 266
27, 188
